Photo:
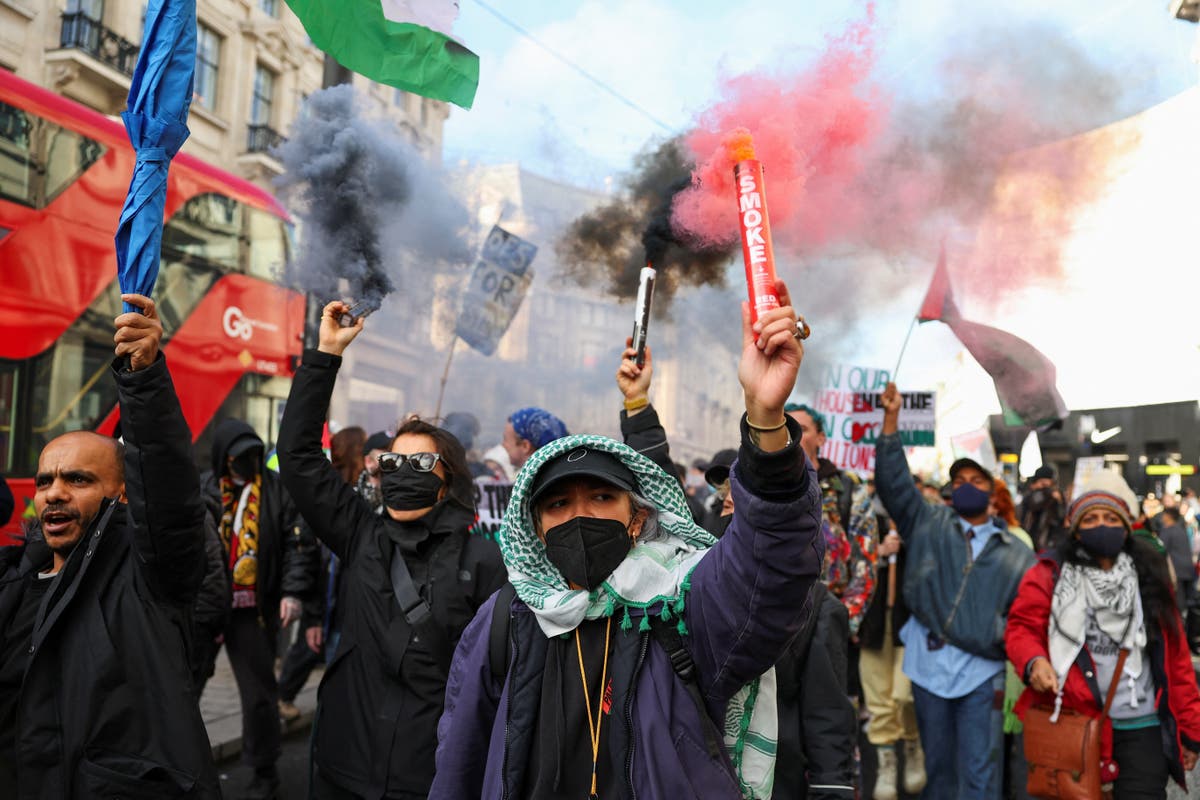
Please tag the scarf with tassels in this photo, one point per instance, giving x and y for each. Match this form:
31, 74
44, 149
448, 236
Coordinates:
653, 579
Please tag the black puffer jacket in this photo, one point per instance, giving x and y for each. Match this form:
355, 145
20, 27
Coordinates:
288, 560
382, 695
106, 708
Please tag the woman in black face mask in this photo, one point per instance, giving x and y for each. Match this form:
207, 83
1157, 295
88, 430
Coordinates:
1099, 614
412, 579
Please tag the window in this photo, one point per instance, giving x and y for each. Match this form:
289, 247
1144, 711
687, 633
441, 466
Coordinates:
38, 159
208, 61
264, 95
67, 387
93, 9
269, 7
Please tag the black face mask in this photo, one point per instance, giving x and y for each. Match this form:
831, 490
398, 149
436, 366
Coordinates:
718, 526
244, 467
408, 489
1105, 541
586, 550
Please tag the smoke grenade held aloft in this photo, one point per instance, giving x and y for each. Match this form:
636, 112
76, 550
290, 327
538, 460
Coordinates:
754, 224
373, 211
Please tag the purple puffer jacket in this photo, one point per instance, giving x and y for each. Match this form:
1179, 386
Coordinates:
747, 601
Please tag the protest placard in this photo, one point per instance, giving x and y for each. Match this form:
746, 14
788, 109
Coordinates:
498, 285
491, 501
851, 408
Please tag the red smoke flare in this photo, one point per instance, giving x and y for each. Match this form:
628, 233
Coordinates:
811, 135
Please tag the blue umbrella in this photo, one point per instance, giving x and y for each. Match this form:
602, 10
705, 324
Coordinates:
156, 118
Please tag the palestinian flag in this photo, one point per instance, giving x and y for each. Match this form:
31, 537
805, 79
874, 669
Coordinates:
403, 43
1025, 379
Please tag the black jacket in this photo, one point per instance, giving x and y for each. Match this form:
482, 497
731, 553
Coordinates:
817, 730
105, 707
288, 560
211, 610
644, 433
1042, 518
382, 694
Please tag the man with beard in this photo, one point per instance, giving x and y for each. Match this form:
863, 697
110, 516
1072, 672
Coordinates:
95, 698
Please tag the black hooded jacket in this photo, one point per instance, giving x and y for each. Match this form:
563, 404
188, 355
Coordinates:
106, 707
383, 692
288, 560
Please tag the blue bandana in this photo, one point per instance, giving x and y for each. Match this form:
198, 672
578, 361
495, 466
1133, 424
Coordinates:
538, 426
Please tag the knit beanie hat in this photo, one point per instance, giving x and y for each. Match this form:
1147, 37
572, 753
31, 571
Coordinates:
1098, 499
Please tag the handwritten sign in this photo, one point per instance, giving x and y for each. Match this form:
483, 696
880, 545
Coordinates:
851, 408
498, 285
491, 501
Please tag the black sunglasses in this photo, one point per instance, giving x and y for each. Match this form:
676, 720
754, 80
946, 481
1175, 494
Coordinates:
421, 462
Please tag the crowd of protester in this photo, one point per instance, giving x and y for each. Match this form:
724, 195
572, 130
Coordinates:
760, 624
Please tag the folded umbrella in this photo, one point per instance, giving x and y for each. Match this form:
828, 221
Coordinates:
156, 119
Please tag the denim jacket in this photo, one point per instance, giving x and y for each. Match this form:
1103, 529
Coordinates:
962, 601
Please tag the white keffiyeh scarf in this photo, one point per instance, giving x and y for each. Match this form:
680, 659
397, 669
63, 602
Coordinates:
1114, 599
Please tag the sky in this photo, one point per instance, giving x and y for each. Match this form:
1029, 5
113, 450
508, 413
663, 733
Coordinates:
668, 58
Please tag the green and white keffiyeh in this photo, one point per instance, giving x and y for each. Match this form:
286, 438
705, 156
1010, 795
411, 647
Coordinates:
656, 573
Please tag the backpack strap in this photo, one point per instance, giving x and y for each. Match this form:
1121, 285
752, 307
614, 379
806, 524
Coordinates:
668, 637
418, 613
499, 646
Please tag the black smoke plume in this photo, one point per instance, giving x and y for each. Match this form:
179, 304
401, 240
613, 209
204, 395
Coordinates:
609, 246
374, 212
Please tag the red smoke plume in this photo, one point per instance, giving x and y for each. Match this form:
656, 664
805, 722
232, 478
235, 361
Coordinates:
811, 133
848, 164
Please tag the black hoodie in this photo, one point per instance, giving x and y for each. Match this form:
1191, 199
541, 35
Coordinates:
288, 558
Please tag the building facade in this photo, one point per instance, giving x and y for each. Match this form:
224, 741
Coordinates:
254, 67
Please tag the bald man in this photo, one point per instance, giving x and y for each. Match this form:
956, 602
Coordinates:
95, 696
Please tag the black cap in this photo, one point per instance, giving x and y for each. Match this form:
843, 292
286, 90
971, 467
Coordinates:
579, 463
1043, 472
242, 444
962, 463
717, 471
377, 441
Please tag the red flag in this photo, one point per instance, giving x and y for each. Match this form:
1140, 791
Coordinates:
933, 307
1025, 379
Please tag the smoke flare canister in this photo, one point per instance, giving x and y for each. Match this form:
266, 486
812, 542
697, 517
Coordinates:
756, 237
641, 314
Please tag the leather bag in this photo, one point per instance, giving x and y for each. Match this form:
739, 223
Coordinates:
1064, 755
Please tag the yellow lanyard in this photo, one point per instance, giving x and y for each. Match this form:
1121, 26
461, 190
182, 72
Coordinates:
594, 727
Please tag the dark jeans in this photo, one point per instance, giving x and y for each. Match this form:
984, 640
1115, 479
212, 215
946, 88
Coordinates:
252, 656
297, 665
1144, 769
962, 739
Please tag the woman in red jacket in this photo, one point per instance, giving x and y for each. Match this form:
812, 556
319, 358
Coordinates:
1103, 591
